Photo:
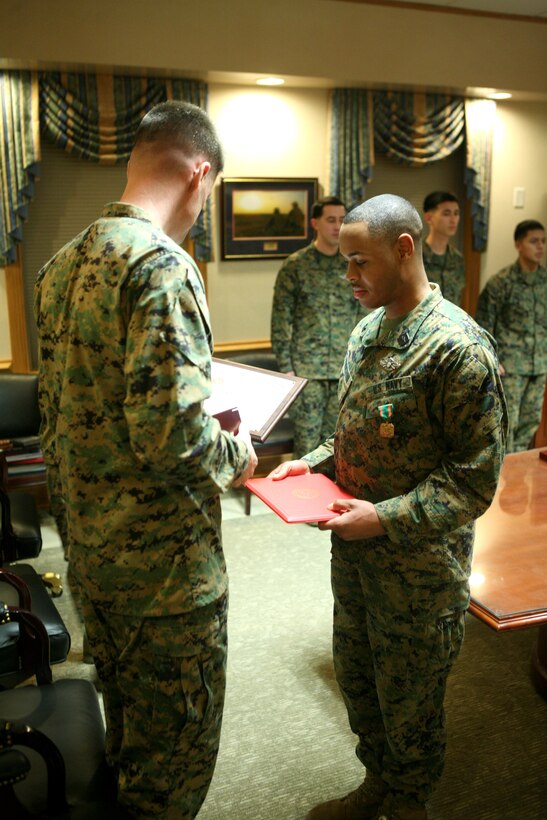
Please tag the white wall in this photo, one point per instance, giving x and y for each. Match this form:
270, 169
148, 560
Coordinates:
265, 133
275, 133
348, 42
519, 161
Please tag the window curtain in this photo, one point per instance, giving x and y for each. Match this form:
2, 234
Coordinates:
415, 129
412, 129
352, 144
479, 122
91, 115
19, 155
95, 116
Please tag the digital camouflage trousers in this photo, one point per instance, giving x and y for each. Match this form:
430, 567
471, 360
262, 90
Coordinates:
394, 645
163, 682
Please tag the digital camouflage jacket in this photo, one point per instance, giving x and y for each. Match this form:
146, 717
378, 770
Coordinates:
447, 271
313, 314
513, 308
435, 379
125, 361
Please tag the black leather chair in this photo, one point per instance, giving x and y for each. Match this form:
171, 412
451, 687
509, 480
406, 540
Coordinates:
280, 442
19, 412
20, 535
52, 761
20, 419
22, 586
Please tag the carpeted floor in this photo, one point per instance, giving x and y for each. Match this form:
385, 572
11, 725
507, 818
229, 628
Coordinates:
286, 744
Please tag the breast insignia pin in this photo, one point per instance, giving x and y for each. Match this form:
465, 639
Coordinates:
389, 362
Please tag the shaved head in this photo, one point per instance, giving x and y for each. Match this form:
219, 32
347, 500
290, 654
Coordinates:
387, 217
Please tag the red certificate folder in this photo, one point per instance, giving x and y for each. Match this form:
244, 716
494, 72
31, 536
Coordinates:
300, 498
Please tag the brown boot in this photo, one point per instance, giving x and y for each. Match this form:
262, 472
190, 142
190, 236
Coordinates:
393, 808
361, 804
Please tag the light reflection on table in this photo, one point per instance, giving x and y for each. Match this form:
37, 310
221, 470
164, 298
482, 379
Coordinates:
509, 579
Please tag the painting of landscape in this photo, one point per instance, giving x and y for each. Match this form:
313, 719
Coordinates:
266, 218
269, 213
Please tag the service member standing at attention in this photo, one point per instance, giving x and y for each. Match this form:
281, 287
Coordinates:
125, 362
442, 262
513, 308
419, 442
313, 313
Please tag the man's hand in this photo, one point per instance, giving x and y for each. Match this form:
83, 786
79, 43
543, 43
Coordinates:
357, 520
298, 467
253, 460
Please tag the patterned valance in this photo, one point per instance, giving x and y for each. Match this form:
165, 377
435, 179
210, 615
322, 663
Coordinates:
414, 130
19, 155
480, 118
352, 143
93, 116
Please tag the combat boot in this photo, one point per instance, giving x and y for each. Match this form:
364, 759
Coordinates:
361, 804
393, 808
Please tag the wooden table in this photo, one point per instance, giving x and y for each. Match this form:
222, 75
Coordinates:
509, 579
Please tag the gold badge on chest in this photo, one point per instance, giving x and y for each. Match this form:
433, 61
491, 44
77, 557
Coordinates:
387, 428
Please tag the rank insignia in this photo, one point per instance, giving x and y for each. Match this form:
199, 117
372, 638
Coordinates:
387, 428
389, 362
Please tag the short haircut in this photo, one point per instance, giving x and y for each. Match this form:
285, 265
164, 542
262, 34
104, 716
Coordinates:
436, 198
184, 126
387, 217
528, 225
317, 207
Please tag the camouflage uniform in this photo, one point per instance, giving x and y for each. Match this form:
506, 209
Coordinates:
513, 308
313, 314
399, 599
447, 270
125, 357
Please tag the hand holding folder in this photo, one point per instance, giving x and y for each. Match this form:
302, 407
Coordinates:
299, 499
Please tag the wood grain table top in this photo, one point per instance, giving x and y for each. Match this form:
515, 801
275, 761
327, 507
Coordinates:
509, 578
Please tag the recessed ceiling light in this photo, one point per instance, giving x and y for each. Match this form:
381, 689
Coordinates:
270, 81
500, 95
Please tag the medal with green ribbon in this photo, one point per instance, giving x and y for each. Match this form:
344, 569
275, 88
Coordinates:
387, 429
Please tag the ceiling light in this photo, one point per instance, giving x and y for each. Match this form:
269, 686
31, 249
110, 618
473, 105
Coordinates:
500, 95
270, 81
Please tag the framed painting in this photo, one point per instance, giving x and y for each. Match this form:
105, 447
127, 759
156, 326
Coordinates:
266, 218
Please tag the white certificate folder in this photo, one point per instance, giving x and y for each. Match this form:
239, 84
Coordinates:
262, 397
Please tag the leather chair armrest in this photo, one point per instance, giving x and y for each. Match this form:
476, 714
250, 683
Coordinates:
18, 584
14, 766
12, 734
33, 642
3, 472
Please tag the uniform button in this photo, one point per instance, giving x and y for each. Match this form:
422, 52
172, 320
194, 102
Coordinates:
403, 338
